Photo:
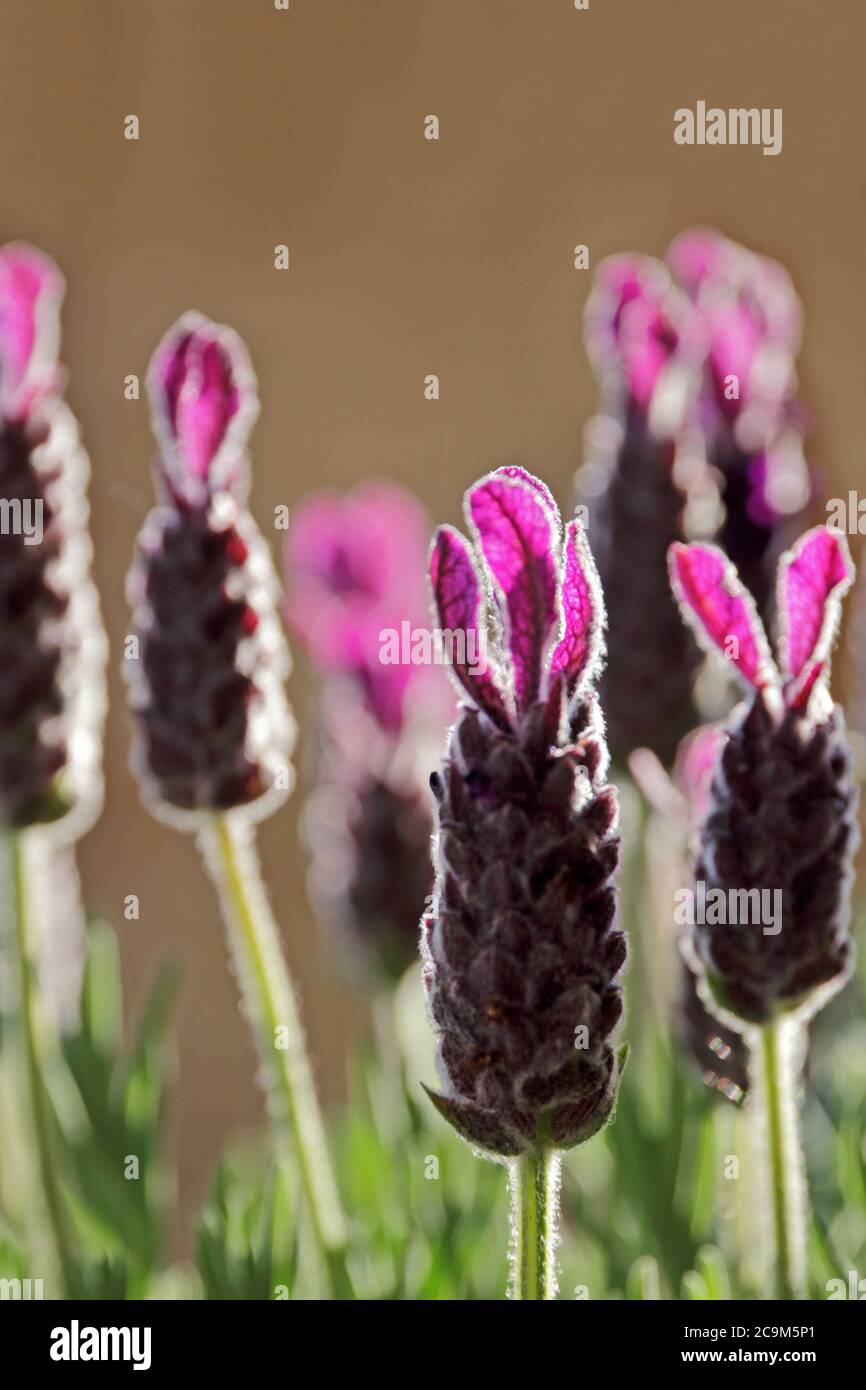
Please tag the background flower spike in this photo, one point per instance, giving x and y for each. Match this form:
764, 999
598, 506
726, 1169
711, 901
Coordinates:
720, 610
213, 729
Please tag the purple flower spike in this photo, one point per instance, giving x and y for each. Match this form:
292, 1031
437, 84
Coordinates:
31, 292
213, 729
813, 578
204, 402
720, 610
781, 817
522, 950
52, 646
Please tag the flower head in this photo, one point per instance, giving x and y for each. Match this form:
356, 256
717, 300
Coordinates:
813, 577
781, 812
214, 730
52, 645
521, 948
544, 597
203, 403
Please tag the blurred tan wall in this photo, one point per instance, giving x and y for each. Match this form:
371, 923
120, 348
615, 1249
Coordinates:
408, 257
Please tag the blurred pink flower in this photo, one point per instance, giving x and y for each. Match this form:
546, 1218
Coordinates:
751, 316
638, 324
355, 568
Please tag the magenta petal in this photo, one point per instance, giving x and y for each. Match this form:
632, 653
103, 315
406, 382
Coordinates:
720, 610
31, 289
518, 533
457, 596
203, 395
579, 650
813, 577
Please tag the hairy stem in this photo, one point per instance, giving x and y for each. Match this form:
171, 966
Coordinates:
272, 1012
18, 906
777, 1055
534, 1180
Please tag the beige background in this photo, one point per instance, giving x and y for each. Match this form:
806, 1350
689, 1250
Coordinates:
408, 257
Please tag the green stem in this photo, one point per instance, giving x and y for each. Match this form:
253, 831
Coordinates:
272, 1012
535, 1204
777, 1058
38, 1097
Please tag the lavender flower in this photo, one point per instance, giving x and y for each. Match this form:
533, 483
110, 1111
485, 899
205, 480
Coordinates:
522, 953
781, 819
642, 337
355, 573
52, 645
751, 320
52, 656
214, 731
782, 805
213, 728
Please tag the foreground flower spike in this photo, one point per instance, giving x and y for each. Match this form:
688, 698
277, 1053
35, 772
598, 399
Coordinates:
522, 952
751, 319
52, 657
355, 589
781, 826
214, 732
642, 338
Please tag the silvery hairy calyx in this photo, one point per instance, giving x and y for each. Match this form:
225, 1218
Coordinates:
780, 822
643, 339
213, 729
354, 568
52, 658
522, 953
